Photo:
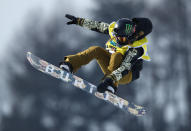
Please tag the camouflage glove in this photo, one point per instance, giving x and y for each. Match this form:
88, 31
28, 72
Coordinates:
74, 20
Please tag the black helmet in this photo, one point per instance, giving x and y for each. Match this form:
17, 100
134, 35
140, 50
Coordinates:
124, 28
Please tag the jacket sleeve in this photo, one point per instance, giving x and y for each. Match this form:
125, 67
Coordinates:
130, 58
97, 26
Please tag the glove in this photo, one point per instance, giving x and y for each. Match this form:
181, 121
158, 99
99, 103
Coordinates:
73, 19
107, 85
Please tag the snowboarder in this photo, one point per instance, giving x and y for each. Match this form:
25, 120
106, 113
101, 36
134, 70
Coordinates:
122, 60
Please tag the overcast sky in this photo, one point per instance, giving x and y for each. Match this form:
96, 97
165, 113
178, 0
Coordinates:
13, 14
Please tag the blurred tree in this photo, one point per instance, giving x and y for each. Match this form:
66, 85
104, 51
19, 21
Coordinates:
170, 68
44, 103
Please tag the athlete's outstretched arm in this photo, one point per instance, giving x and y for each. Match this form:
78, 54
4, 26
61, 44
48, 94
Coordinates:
97, 26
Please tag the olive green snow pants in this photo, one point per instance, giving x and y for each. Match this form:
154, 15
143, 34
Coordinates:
107, 62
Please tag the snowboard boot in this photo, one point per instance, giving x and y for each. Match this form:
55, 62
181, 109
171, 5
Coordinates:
66, 66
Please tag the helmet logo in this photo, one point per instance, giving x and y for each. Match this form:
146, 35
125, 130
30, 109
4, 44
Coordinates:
128, 29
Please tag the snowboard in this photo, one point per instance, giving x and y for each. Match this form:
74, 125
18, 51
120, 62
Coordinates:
84, 85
